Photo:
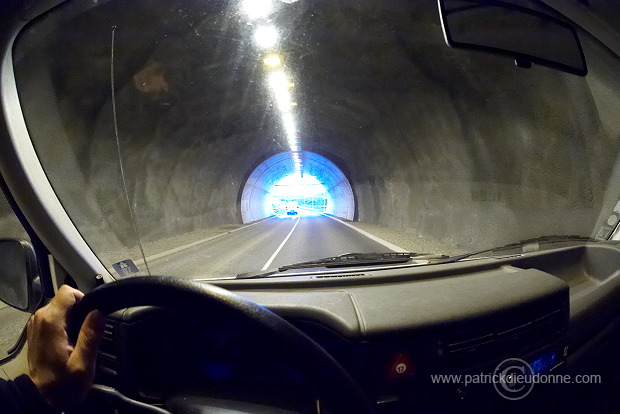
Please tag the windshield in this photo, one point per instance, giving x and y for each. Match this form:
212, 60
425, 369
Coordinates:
205, 139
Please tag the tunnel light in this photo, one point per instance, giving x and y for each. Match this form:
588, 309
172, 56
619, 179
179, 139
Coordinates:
266, 37
256, 9
277, 83
273, 61
280, 87
282, 99
289, 124
276, 79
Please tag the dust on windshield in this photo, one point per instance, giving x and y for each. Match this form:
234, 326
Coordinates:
206, 139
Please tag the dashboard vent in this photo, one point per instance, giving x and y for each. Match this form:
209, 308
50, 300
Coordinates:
107, 363
339, 276
503, 339
108, 348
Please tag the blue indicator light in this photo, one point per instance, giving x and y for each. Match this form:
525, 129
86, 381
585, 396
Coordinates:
543, 364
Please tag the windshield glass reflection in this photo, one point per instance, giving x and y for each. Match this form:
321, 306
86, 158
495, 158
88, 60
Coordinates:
209, 139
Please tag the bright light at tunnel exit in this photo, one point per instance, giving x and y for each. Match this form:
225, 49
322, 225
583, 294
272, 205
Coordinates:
296, 195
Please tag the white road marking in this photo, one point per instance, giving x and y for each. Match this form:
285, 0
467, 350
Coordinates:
149, 259
389, 245
280, 248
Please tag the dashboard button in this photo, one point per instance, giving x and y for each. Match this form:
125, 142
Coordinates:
400, 367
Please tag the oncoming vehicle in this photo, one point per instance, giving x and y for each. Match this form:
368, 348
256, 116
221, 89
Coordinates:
294, 206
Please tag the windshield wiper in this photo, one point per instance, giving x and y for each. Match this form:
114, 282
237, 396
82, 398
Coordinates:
354, 259
368, 259
532, 244
348, 260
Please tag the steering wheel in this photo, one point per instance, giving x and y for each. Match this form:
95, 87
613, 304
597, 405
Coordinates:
334, 385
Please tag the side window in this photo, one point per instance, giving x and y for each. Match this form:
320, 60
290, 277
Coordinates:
12, 321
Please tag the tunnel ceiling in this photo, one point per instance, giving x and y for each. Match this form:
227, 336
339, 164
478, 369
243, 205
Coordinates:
396, 110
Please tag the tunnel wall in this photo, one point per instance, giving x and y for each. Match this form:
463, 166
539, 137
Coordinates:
269, 172
335, 182
449, 145
546, 173
465, 147
179, 180
256, 189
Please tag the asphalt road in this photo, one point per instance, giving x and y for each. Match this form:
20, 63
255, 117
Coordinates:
268, 244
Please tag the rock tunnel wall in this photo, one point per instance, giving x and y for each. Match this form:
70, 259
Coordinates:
458, 185
403, 121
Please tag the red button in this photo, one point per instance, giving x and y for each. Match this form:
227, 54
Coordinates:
400, 367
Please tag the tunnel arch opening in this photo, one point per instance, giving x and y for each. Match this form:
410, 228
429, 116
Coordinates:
264, 185
297, 194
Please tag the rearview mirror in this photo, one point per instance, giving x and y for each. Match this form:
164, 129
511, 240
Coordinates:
526, 35
19, 275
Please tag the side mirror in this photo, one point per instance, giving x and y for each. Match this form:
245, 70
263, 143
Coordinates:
526, 35
19, 275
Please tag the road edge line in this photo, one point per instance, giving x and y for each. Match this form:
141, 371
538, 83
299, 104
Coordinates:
161, 255
379, 240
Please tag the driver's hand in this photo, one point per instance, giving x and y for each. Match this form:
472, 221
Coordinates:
63, 373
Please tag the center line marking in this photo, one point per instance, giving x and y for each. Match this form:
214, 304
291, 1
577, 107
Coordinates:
280, 248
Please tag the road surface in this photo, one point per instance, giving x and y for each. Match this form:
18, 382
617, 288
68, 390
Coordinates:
269, 244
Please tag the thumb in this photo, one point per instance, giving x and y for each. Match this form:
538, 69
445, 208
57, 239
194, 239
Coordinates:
84, 354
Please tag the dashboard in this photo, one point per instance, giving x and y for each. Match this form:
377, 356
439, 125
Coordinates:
400, 332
